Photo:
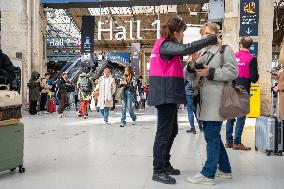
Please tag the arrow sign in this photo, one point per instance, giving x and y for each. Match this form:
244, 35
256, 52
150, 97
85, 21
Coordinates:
249, 17
248, 31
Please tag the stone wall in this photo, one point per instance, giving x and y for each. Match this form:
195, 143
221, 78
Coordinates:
16, 35
265, 53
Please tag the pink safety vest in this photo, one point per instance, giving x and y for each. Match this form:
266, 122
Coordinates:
244, 59
164, 68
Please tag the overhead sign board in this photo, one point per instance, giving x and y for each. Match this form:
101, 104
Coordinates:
87, 41
249, 17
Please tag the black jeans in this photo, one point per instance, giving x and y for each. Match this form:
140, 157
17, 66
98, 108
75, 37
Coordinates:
32, 109
43, 99
167, 130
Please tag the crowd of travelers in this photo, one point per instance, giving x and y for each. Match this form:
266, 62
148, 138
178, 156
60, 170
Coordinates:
104, 92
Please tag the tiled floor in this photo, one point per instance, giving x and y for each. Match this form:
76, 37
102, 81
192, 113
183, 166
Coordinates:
75, 153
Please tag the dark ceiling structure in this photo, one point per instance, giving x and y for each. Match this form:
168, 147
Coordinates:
114, 3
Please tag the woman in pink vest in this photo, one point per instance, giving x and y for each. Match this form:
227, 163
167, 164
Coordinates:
166, 90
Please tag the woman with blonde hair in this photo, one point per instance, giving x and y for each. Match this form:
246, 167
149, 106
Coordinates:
219, 67
129, 83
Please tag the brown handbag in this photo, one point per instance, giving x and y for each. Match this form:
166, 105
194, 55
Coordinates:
235, 100
96, 94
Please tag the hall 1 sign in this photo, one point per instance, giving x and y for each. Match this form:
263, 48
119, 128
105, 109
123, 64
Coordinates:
249, 17
122, 34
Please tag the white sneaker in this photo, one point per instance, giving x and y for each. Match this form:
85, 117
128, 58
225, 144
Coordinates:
86, 117
223, 175
200, 179
78, 114
61, 115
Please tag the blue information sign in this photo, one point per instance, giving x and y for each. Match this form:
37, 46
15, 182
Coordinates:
249, 17
254, 49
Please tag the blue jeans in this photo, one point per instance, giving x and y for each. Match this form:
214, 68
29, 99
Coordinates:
127, 102
190, 111
238, 131
105, 113
216, 152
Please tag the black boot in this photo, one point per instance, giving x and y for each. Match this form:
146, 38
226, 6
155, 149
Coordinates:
163, 178
171, 171
191, 130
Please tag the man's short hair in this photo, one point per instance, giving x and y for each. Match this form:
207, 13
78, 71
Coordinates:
246, 42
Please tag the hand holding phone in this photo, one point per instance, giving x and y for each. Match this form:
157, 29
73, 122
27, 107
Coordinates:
199, 66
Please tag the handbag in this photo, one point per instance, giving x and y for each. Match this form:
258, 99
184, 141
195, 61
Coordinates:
93, 104
235, 100
96, 94
119, 93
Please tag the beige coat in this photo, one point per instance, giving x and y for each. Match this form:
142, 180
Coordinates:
281, 85
106, 103
211, 90
45, 86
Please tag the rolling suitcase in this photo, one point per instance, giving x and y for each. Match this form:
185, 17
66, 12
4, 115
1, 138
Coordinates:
12, 147
269, 132
269, 135
51, 107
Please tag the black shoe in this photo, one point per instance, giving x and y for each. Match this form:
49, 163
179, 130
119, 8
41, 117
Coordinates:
171, 171
164, 178
191, 130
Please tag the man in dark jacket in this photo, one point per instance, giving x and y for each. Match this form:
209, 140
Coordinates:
248, 73
7, 74
34, 92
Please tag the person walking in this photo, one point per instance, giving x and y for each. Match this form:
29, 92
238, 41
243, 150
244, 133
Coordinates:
34, 92
191, 110
140, 93
85, 87
45, 89
63, 90
166, 91
106, 87
219, 67
128, 82
248, 73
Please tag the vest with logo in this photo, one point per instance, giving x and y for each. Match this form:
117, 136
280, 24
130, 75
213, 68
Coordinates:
244, 59
166, 84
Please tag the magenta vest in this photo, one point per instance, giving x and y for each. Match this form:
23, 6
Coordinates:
244, 59
164, 68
